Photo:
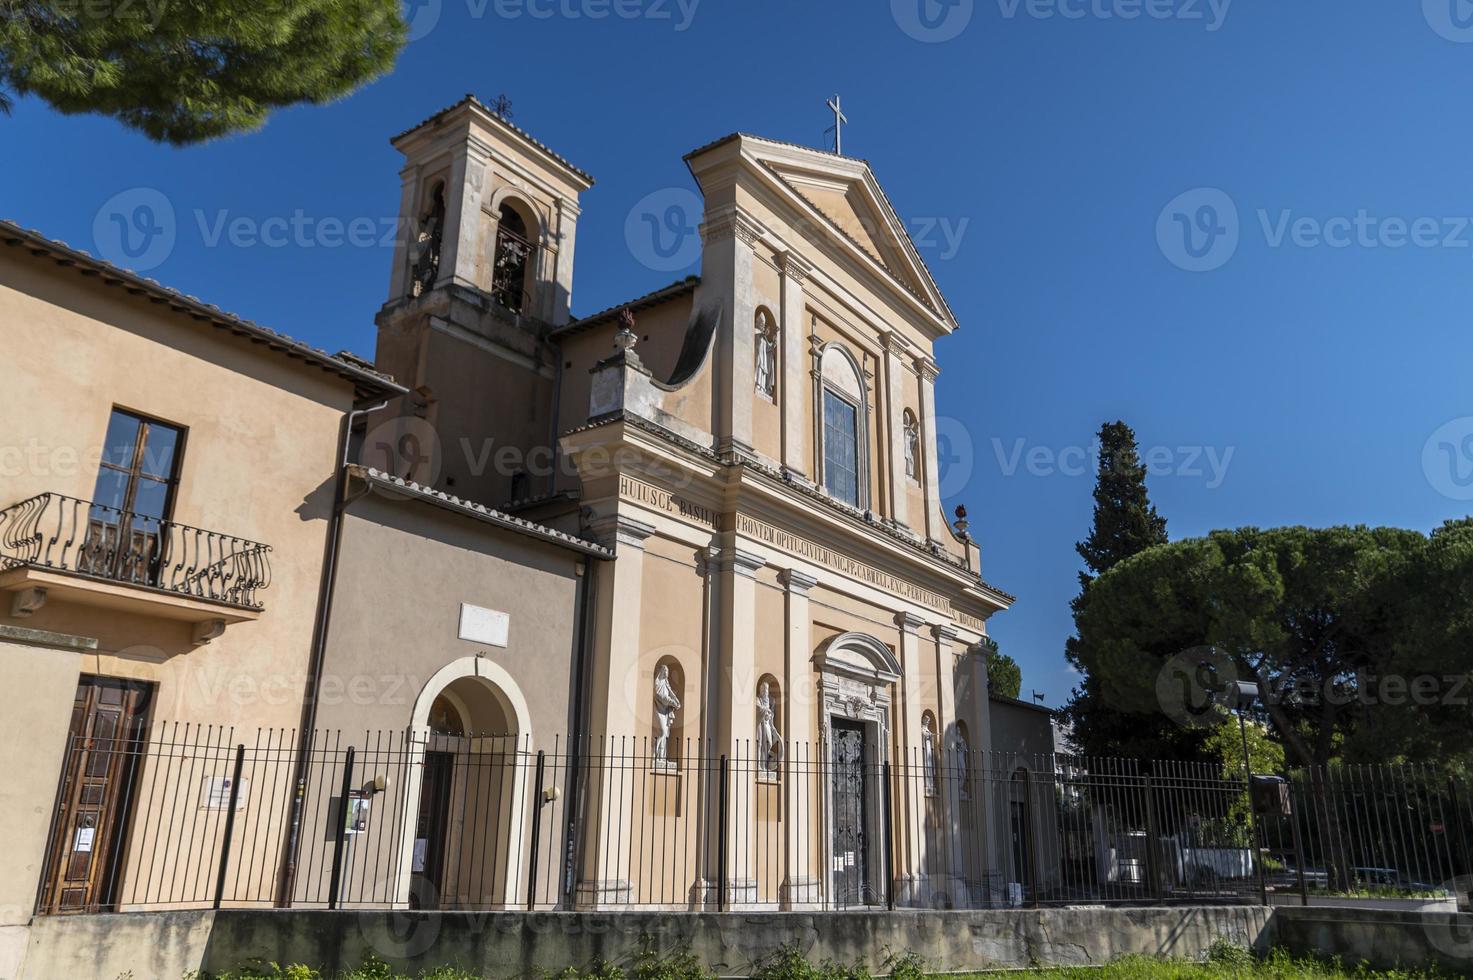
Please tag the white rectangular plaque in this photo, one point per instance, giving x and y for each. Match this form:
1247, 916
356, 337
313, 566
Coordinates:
481, 625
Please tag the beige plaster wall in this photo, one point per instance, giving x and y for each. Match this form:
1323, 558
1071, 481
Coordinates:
391, 631
261, 440
34, 727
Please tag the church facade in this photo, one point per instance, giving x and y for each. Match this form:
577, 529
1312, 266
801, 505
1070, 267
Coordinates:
699, 533
756, 447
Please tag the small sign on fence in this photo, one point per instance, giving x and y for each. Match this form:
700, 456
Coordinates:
215, 793
357, 811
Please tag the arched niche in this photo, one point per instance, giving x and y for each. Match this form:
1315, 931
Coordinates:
676, 748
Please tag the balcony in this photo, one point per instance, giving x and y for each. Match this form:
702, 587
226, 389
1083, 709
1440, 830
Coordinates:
62, 547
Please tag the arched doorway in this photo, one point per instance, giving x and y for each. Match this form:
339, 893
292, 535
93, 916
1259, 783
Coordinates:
463, 837
856, 673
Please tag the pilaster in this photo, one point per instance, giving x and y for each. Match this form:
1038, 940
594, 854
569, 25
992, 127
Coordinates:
913, 777
463, 193
726, 278
894, 427
605, 881
802, 886
795, 391
934, 523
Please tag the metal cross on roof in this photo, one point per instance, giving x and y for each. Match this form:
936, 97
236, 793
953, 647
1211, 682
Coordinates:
502, 106
838, 127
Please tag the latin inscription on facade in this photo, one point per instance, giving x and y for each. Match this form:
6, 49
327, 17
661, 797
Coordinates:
839, 562
665, 500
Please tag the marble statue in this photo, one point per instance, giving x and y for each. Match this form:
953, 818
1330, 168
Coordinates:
766, 366
769, 740
666, 704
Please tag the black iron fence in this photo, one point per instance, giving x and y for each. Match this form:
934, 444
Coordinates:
198, 817
55, 532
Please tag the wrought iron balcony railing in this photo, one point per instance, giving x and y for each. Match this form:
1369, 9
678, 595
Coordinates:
60, 533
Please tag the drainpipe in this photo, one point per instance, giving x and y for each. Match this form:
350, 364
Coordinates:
287, 880
574, 806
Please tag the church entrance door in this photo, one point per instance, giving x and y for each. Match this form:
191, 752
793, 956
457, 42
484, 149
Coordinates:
851, 813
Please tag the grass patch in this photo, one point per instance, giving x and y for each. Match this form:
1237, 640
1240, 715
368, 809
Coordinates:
1225, 962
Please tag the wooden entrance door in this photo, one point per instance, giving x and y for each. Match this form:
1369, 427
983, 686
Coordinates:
427, 887
96, 799
851, 811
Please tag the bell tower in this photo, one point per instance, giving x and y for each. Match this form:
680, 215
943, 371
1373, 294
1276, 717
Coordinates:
483, 270
485, 206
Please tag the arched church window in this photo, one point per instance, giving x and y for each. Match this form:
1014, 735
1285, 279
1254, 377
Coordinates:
513, 260
842, 408
427, 243
911, 434
764, 346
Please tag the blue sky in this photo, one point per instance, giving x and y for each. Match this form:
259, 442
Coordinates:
1073, 165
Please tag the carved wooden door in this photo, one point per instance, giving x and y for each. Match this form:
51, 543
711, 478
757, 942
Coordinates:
97, 795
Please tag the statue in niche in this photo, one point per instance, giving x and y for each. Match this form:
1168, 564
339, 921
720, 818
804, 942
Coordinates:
766, 355
928, 754
666, 704
427, 245
769, 740
963, 753
912, 437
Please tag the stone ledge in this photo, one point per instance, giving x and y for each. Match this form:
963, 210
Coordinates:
45, 638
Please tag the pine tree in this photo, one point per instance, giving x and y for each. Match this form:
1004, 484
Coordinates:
1125, 524
183, 72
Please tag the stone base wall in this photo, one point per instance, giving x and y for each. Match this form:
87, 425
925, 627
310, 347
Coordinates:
166, 945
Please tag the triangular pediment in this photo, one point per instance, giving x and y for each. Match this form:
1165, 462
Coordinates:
846, 194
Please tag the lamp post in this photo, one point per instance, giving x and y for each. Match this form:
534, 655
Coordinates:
1247, 697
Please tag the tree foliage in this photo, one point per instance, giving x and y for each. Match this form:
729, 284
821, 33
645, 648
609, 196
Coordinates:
1004, 676
1125, 524
184, 71
1333, 625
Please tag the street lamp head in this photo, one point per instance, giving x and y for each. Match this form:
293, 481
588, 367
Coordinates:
1247, 694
